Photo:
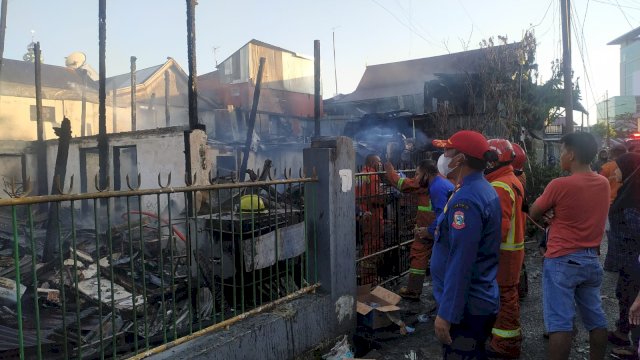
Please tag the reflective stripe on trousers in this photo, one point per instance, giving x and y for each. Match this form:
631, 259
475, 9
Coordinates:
506, 333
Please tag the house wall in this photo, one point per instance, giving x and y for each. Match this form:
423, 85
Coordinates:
157, 152
15, 117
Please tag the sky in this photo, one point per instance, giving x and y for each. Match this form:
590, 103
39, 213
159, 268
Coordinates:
367, 32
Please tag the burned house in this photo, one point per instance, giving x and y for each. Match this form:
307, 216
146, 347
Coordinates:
286, 98
161, 99
401, 85
71, 92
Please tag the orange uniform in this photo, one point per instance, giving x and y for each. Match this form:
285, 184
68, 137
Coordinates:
371, 200
420, 248
507, 337
608, 171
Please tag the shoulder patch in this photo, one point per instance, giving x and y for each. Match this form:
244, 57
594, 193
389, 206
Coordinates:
458, 220
461, 206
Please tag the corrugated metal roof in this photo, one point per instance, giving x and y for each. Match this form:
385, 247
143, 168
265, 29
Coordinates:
631, 35
124, 80
58, 77
408, 77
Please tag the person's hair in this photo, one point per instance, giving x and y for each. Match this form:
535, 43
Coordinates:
369, 158
481, 164
429, 167
583, 144
618, 150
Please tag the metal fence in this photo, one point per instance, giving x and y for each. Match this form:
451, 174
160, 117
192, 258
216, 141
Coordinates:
385, 220
112, 274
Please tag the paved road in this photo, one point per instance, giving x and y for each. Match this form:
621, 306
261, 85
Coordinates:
423, 345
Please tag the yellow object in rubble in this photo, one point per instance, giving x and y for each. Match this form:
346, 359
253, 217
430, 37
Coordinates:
250, 203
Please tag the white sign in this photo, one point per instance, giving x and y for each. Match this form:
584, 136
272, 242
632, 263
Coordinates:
347, 179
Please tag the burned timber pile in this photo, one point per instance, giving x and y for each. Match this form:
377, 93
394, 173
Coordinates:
132, 270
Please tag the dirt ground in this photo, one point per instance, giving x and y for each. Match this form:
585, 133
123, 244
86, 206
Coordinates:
389, 344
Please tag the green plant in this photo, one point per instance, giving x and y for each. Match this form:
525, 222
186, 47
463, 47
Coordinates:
538, 177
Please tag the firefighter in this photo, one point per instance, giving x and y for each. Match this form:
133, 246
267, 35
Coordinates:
371, 200
518, 164
431, 191
506, 339
464, 263
518, 169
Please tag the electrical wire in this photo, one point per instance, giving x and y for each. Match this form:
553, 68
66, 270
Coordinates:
618, 5
582, 50
412, 29
623, 14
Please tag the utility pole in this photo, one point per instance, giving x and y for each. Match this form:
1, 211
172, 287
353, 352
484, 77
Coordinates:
167, 93
133, 94
83, 111
3, 28
565, 8
316, 86
42, 147
191, 50
608, 130
335, 69
103, 141
114, 104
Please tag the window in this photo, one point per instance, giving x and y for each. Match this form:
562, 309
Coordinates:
48, 113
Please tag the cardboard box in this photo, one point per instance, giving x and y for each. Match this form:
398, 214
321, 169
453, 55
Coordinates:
384, 303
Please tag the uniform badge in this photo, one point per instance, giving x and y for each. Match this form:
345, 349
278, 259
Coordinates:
458, 220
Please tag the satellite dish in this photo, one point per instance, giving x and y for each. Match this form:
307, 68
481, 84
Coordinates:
75, 60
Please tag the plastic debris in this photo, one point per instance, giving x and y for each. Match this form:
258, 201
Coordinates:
423, 318
342, 350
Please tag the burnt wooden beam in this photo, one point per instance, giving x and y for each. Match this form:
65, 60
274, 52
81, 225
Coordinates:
60, 172
41, 147
252, 121
317, 98
191, 52
103, 140
167, 93
3, 29
133, 94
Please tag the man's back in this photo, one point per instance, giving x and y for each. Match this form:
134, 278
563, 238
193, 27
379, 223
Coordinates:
581, 204
465, 258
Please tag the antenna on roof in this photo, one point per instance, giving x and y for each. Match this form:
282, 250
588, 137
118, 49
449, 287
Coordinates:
215, 58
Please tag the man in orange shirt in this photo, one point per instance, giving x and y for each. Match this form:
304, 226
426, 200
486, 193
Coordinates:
609, 169
506, 339
572, 275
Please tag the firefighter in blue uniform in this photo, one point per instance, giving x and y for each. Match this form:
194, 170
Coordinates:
464, 263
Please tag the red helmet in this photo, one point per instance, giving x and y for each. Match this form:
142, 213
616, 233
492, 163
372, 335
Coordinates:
521, 157
504, 150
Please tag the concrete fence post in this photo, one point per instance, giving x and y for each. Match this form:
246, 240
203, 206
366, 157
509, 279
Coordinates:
333, 222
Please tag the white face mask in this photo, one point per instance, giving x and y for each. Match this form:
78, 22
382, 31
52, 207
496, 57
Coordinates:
443, 165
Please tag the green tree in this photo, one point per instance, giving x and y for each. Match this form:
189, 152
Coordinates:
504, 95
599, 130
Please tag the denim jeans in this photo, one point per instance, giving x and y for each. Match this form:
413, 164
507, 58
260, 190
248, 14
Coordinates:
569, 282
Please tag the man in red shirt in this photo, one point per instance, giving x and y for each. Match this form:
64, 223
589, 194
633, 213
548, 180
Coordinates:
572, 275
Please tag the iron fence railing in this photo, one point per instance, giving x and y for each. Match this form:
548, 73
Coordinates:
146, 267
385, 222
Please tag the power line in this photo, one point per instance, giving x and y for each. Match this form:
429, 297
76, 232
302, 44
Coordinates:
545, 14
412, 29
623, 14
618, 5
582, 50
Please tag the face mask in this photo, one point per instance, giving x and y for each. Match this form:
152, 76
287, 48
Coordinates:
443, 165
